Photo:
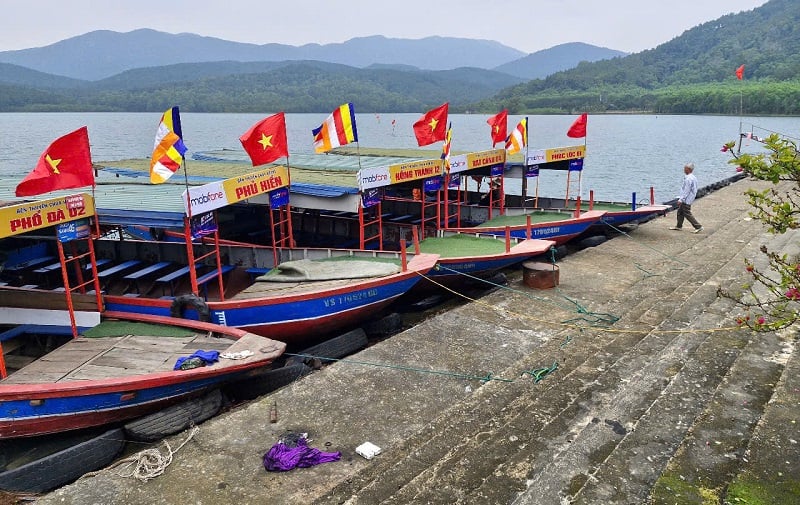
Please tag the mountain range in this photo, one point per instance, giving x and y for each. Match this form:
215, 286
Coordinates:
145, 70
101, 54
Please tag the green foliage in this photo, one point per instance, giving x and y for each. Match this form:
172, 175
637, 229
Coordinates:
691, 74
772, 300
258, 87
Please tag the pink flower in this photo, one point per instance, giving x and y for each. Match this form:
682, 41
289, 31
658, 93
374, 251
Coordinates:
724, 149
739, 169
761, 320
793, 294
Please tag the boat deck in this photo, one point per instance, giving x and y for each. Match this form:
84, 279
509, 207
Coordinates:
537, 216
98, 358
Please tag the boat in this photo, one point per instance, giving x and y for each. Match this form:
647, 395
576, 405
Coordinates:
41, 464
119, 367
569, 160
278, 291
471, 255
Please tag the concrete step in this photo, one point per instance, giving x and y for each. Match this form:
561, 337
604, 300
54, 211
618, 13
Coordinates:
421, 487
770, 467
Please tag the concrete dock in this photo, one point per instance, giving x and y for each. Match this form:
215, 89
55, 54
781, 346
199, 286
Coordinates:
647, 393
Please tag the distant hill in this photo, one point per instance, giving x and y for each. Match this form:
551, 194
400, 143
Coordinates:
100, 54
692, 73
291, 86
22, 76
561, 57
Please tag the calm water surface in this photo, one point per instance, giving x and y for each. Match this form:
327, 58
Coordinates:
625, 153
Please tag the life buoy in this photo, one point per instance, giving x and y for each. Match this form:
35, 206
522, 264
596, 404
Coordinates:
182, 302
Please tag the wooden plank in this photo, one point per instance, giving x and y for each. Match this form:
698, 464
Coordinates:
25, 299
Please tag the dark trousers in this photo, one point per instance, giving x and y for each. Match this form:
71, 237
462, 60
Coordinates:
685, 211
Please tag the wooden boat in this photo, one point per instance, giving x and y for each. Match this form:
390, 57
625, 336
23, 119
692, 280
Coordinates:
639, 209
234, 285
471, 255
118, 369
41, 464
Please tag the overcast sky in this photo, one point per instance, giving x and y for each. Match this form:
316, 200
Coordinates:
526, 25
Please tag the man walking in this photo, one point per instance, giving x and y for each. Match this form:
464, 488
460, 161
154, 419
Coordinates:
686, 199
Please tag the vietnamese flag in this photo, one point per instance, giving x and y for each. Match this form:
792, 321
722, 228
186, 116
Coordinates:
578, 128
499, 124
66, 164
740, 73
265, 141
432, 127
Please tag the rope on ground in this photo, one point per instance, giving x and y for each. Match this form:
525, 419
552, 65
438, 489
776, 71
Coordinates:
600, 318
539, 374
147, 464
563, 324
676, 260
485, 378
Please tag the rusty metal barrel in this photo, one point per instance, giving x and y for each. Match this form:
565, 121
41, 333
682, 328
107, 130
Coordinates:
540, 275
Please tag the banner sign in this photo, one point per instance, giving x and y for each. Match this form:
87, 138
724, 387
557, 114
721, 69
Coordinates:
532, 171
370, 197
279, 198
377, 177
541, 156
203, 225
494, 158
25, 217
218, 194
576, 165
432, 184
454, 181
73, 230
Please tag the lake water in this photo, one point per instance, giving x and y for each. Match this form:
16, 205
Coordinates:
625, 153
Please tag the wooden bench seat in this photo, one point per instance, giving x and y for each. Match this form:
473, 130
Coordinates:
25, 265
48, 268
170, 278
204, 279
116, 269
100, 262
134, 277
256, 272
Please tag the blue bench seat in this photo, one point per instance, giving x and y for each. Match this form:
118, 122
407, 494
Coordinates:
134, 277
204, 279
35, 262
100, 262
116, 269
256, 272
170, 278
48, 268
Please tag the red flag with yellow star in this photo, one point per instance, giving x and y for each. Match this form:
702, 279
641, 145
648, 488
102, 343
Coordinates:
432, 127
499, 124
265, 142
66, 164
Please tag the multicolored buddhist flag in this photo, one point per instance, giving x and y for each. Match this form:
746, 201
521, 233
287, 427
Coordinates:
65, 164
740, 73
448, 139
339, 129
499, 124
518, 138
169, 150
265, 141
431, 127
578, 128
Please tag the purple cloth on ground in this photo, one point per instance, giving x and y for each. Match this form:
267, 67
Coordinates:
208, 357
282, 458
